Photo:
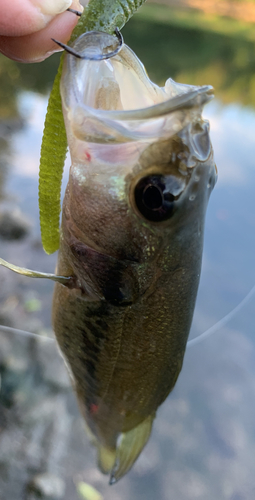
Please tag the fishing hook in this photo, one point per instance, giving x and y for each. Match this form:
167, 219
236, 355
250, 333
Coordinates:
76, 12
94, 58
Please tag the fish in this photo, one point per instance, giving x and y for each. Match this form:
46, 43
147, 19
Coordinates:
131, 240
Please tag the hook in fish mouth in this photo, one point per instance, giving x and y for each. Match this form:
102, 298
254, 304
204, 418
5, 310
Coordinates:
95, 57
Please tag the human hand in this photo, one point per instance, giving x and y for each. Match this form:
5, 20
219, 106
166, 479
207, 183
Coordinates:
27, 26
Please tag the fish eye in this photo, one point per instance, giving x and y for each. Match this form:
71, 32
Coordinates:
155, 196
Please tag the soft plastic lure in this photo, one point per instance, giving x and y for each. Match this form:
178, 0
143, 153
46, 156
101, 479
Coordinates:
102, 15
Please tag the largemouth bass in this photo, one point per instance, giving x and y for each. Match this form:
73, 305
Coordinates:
131, 238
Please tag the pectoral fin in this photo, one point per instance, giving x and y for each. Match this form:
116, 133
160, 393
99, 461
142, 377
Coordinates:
130, 445
64, 280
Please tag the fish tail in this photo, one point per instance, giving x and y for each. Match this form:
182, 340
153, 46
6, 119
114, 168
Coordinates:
130, 444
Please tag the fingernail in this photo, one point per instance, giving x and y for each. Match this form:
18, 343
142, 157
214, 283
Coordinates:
52, 7
76, 5
45, 56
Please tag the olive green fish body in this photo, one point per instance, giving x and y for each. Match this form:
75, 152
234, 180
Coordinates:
124, 331
131, 238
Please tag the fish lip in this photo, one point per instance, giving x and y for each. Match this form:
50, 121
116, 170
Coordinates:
89, 122
115, 124
197, 97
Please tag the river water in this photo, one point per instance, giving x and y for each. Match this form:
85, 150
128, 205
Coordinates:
203, 441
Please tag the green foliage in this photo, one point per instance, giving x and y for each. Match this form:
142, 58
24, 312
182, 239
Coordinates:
194, 56
197, 20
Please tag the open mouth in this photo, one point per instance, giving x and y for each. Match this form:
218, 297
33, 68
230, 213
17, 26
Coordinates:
118, 102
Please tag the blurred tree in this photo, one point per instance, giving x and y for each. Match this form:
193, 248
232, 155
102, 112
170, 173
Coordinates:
195, 56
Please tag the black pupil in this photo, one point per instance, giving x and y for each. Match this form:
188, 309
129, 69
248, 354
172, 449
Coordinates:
154, 196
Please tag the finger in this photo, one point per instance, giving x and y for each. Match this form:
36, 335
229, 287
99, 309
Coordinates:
37, 46
23, 18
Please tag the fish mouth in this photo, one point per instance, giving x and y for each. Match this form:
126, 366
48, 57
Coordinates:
198, 96
98, 108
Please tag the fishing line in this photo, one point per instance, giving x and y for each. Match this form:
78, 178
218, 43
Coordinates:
10, 329
213, 329
222, 322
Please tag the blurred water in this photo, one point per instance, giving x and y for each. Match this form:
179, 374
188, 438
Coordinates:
203, 442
